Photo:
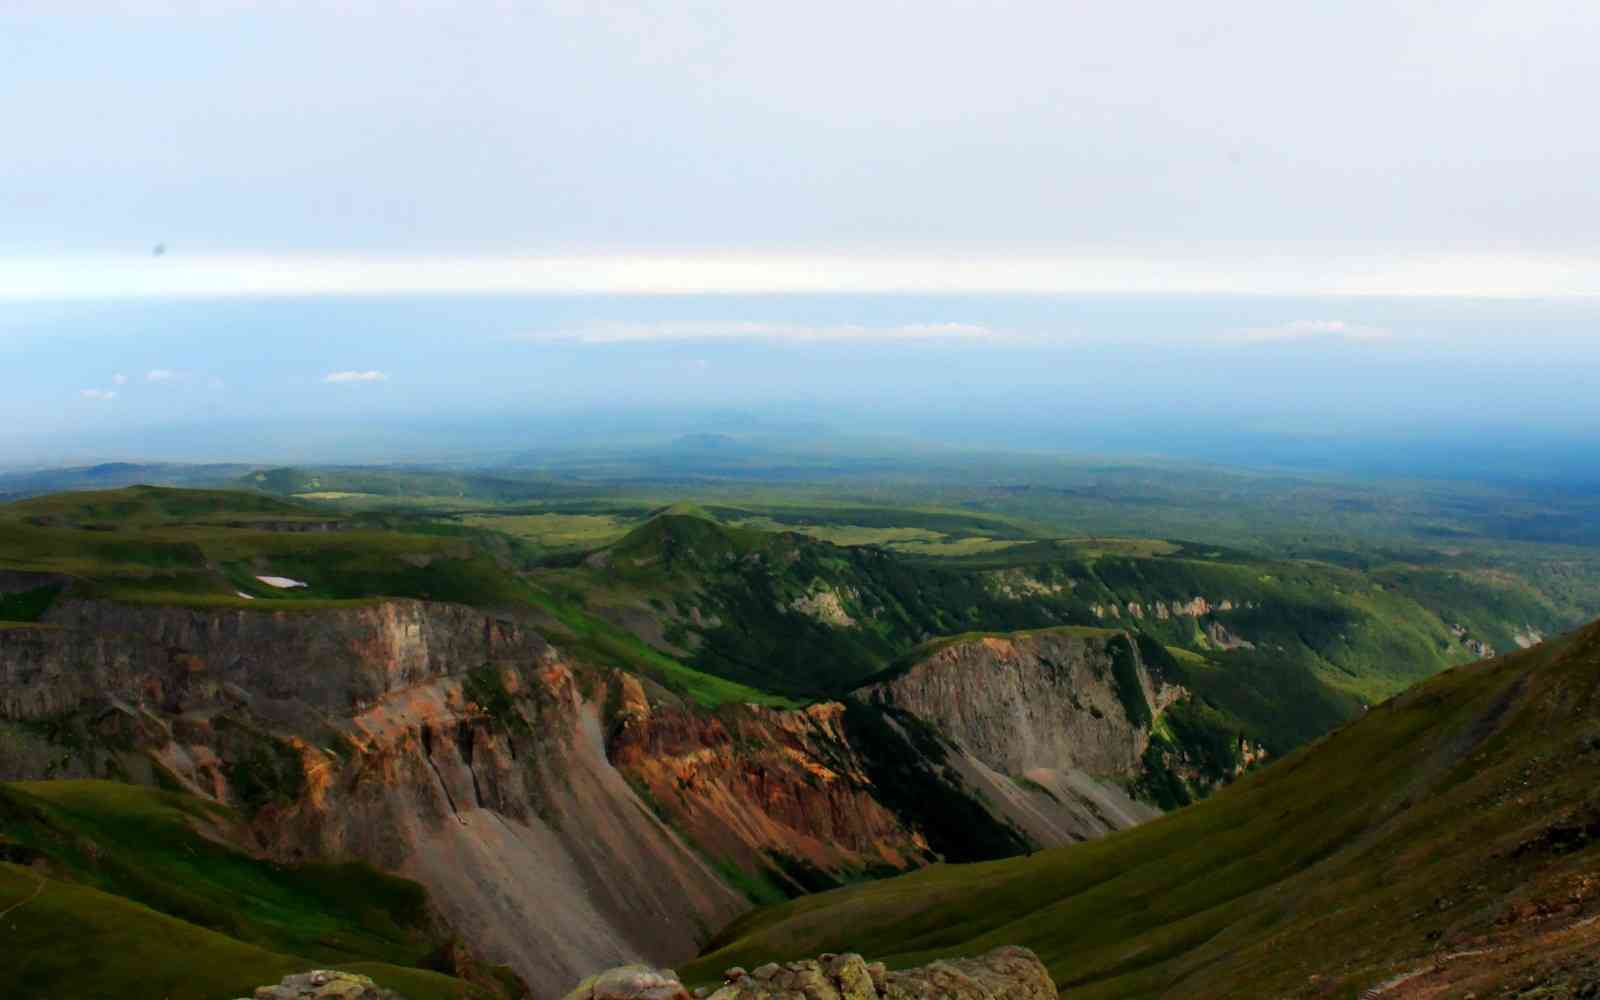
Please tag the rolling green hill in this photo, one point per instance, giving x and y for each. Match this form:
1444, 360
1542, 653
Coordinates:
1460, 817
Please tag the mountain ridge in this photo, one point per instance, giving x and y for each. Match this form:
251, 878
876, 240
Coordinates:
1457, 817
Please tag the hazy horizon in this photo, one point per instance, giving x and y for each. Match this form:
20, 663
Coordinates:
1461, 388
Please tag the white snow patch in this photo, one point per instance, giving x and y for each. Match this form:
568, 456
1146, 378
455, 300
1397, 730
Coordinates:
282, 582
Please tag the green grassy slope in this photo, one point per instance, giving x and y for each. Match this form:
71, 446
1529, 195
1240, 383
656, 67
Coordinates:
153, 907
1405, 834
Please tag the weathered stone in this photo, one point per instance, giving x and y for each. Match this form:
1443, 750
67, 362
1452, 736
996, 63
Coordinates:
855, 978
631, 982
1002, 974
326, 984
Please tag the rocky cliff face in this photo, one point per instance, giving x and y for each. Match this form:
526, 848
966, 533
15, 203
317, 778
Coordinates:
432, 740
1057, 701
750, 784
332, 661
830, 791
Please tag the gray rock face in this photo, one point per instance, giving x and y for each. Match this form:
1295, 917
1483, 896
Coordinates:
323, 984
1003, 974
1044, 700
175, 659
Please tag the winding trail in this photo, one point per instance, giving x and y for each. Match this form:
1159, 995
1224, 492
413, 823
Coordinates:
21, 903
1400, 980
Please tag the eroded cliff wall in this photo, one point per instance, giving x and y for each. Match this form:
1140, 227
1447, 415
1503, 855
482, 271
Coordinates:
1059, 700
429, 739
758, 785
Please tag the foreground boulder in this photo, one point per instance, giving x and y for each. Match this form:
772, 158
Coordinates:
1003, 974
323, 984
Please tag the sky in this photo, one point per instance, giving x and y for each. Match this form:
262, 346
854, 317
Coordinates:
311, 229
1359, 147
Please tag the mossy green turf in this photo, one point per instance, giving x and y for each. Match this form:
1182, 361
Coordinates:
152, 907
1403, 834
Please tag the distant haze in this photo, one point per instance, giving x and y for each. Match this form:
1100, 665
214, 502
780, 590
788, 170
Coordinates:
1469, 389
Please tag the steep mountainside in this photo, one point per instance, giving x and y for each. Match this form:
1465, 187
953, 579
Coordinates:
1059, 700
430, 740
1446, 844
802, 799
113, 890
1070, 710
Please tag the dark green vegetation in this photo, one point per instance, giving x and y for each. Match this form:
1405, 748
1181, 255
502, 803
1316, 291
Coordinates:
1432, 822
156, 903
28, 605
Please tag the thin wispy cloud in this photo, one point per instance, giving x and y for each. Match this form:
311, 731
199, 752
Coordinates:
97, 393
160, 375
1313, 329
632, 333
1308, 272
355, 376
119, 379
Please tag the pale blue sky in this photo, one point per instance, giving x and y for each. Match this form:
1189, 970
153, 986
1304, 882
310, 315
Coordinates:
398, 230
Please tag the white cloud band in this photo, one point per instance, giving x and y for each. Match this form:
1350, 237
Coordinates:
1221, 273
628, 333
355, 376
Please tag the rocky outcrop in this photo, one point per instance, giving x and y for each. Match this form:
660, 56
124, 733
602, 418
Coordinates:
1057, 700
823, 605
1220, 636
631, 982
1003, 974
1019, 585
1194, 607
324, 984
